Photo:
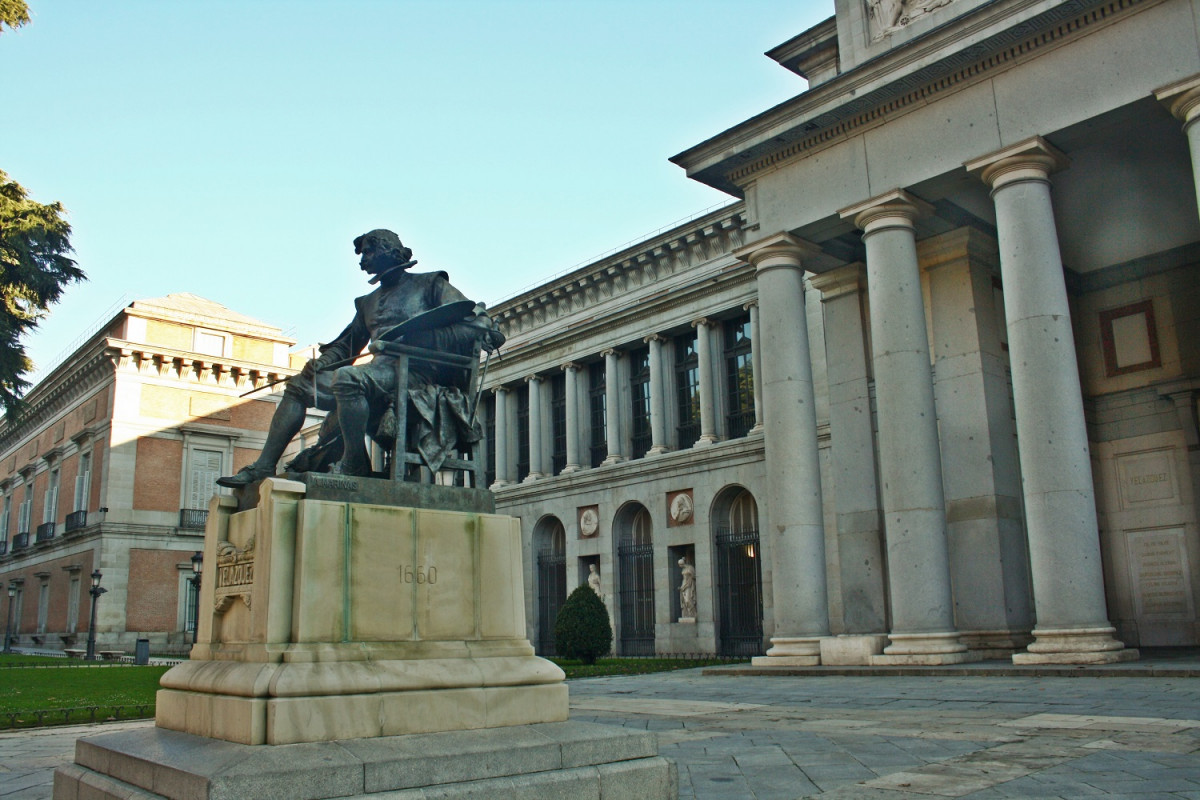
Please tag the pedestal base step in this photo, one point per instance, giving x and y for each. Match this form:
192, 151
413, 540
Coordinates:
565, 759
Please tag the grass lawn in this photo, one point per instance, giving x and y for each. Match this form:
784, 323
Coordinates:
30, 689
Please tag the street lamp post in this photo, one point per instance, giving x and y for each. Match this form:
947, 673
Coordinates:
95, 592
12, 595
197, 569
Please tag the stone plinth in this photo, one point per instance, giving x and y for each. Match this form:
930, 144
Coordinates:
349, 649
324, 620
565, 759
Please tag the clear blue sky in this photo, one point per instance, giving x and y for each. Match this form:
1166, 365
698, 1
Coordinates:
234, 149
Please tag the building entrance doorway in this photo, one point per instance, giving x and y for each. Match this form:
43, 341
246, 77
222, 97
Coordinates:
739, 577
635, 564
551, 580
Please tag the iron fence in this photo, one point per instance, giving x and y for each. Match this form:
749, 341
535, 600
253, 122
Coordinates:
76, 520
73, 716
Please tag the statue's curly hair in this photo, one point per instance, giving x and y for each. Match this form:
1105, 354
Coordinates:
386, 241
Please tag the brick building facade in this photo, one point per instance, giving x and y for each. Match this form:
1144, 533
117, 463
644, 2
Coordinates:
112, 465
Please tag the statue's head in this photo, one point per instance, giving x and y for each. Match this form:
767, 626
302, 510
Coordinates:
380, 250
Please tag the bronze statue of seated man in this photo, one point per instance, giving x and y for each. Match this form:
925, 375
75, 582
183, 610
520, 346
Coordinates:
360, 395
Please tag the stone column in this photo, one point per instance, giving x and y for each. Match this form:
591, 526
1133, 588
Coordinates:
852, 453
658, 407
571, 383
800, 605
504, 476
910, 464
1183, 99
756, 365
534, 387
1056, 470
708, 414
993, 607
612, 407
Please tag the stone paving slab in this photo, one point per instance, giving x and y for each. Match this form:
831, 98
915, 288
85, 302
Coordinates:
837, 737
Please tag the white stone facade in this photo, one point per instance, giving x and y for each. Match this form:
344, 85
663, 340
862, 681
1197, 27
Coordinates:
967, 257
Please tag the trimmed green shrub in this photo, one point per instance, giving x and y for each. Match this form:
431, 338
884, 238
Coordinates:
582, 629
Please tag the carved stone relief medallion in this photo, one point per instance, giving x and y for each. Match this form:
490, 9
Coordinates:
589, 521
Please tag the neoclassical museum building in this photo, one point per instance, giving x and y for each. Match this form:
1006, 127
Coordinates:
925, 391
111, 465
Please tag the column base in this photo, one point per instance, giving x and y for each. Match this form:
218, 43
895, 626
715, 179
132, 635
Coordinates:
800, 651
569, 468
924, 649
533, 476
757, 430
706, 440
995, 643
852, 650
1075, 646
612, 460
499, 485
658, 450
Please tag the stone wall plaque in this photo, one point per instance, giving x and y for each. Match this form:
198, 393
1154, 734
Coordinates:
1159, 574
1147, 478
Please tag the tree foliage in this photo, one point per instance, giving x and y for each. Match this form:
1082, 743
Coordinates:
13, 13
582, 629
34, 271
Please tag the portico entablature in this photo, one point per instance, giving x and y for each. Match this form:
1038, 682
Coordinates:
975, 49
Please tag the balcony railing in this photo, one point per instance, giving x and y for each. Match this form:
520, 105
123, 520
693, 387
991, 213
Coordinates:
45, 532
4, 548
193, 518
76, 520
20, 541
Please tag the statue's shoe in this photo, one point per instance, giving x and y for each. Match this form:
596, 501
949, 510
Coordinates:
245, 476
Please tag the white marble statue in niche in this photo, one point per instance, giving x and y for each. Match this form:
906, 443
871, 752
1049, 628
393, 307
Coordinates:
890, 15
687, 592
594, 580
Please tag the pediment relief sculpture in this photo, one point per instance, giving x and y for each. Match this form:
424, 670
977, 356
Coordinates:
891, 15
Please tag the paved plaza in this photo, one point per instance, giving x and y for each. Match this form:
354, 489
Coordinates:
978, 735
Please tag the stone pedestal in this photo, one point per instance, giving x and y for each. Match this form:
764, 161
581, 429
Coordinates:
325, 620
342, 627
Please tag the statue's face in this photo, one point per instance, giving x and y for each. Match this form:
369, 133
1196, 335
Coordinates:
375, 259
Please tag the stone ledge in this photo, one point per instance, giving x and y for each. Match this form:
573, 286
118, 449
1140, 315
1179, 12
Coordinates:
598, 760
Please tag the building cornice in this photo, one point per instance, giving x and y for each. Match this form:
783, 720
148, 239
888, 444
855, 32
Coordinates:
46, 401
891, 83
191, 367
650, 261
107, 357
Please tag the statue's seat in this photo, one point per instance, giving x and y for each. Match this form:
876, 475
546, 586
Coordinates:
468, 368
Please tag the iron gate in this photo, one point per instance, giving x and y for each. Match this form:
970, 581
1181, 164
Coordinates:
739, 594
636, 565
552, 593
